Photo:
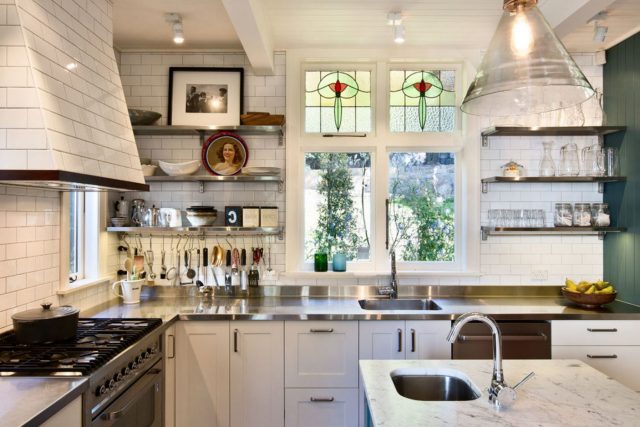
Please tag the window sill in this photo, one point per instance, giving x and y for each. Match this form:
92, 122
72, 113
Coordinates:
83, 284
373, 274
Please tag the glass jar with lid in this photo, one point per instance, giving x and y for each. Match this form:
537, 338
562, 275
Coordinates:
563, 215
582, 215
600, 216
512, 169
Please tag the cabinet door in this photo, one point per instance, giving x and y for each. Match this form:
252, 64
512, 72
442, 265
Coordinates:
202, 374
257, 373
618, 362
382, 339
308, 407
321, 354
595, 332
69, 416
427, 339
169, 376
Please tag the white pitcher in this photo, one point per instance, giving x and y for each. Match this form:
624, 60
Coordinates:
129, 290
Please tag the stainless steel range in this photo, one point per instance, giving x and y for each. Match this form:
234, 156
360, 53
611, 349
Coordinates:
121, 357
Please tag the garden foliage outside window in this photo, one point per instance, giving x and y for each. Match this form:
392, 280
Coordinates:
337, 201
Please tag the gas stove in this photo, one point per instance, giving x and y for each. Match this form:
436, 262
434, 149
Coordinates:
113, 353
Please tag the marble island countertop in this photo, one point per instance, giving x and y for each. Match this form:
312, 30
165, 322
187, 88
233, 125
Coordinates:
562, 393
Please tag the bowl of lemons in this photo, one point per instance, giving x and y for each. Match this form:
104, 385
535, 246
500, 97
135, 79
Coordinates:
589, 294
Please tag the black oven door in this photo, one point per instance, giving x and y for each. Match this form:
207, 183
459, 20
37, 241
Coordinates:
140, 406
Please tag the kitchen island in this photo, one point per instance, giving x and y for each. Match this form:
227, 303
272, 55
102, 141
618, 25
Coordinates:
562, 393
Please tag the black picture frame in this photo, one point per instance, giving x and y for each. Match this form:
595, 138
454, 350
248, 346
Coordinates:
231, 80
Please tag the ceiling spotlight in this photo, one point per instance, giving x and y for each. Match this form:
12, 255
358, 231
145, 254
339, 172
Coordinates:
398, 34
176, 25
600, 33
394, 18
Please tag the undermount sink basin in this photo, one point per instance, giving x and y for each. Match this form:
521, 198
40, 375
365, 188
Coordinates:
398, 304
434, 387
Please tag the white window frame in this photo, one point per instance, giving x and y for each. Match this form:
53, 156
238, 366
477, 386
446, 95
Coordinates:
379, 144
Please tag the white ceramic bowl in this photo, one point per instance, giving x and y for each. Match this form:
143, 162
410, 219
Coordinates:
179, 169
149, 170
201, 219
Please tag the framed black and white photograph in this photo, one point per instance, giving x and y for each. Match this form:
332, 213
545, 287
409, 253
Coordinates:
204, 96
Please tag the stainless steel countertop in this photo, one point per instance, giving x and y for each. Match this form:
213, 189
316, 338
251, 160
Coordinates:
184, 304
29, 401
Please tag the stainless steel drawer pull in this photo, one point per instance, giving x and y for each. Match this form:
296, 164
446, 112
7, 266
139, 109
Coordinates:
235, 340
171, 347
399, 340
602, 356
413, 340
321, 331
537, 337
602, 330
322, 399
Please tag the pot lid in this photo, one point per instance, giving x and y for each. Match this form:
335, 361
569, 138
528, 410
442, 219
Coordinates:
46, 312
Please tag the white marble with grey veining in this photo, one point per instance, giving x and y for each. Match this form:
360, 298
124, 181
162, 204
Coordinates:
562, 393
30, 401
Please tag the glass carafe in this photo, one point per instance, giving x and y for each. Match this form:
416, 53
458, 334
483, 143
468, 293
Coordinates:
569, 161
593, 160
547, 166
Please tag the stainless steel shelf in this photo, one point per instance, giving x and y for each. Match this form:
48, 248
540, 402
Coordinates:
207, 130
549, 231
211, 230
549, 131
213, 178
559, 179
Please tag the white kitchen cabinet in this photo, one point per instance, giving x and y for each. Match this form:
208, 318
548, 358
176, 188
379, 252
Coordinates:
427, 339
69, 416
202, 374
257, 373
321, 354
611, 346
170, 376
321, 407
382, 339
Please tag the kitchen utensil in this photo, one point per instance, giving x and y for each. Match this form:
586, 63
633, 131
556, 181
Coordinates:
202, 218
198, 281
46, 324
150, 260
589, 300
129, 290
547, 166
163, 266
187, 264
269, 269
216, 258
138, 265
244, 278
569, 161
205, 264
227, 270
121, 208
137, 205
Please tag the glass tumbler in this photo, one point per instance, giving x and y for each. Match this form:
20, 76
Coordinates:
320, 262
612, 161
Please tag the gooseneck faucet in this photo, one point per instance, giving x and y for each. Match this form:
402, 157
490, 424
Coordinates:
499, 392
392, 289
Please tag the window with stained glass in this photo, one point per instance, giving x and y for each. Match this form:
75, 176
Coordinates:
338, 101
422, 101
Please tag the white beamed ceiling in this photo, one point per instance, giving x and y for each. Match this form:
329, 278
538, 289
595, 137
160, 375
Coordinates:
339, 24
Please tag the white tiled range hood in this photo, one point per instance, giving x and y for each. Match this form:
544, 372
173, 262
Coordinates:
63, 116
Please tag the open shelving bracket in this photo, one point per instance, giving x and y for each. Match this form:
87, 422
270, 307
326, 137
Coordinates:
485, 141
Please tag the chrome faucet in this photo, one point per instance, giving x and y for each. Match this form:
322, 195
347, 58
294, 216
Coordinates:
500, 394
392, 289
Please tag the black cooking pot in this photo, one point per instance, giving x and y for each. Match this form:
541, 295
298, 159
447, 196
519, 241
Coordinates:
46, 324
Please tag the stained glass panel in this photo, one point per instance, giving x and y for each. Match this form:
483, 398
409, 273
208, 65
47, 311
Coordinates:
422, 101
337, 101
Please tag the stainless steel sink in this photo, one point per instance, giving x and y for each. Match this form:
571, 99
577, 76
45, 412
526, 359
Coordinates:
434, 387
398, 304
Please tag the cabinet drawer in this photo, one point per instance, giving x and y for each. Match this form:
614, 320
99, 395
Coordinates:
618, 362
321, 354
309, 407
595, 332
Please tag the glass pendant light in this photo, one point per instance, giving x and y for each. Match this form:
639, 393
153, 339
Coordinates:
526, 69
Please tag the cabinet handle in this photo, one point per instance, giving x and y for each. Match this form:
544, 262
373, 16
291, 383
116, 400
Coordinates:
171, 347
602, 356
322, 399
235, 340
386, 224
399, 340
602, 330
321, 331
413, 340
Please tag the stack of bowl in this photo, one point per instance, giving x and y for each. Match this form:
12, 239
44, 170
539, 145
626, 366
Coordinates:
202, 216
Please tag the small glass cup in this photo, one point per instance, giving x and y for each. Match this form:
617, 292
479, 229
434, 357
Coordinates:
339, 262
320, 262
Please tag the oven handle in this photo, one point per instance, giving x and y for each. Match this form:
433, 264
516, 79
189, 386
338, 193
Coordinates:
120, 413
537, 337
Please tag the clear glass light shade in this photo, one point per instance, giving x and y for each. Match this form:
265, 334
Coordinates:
526, 70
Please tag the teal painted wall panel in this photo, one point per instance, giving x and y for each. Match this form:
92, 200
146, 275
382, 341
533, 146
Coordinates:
622, 107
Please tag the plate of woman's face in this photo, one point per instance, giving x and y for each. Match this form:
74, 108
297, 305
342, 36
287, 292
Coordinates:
225, 154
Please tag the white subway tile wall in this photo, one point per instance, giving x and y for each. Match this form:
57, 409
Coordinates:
29, 250
74, 79
145, 80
